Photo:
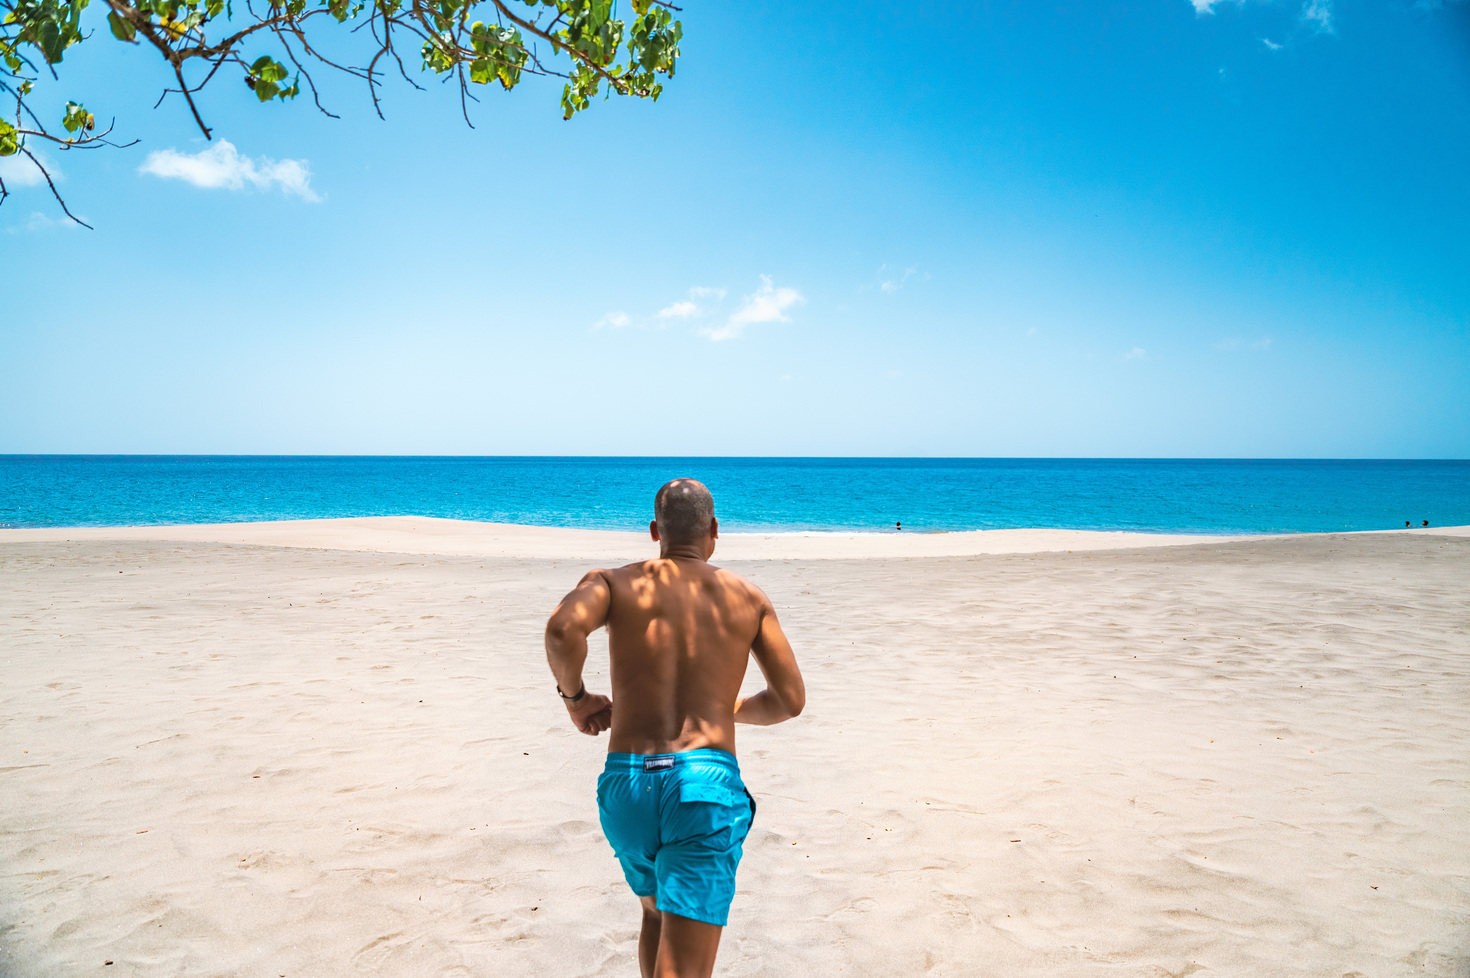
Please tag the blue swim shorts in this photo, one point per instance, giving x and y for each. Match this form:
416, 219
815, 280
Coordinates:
676, 823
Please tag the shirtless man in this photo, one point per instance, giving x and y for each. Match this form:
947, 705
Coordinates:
680, 633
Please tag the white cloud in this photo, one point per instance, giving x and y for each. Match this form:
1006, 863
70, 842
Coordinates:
688, 308
1264, 343
893, 283
766, 304
1319, 13
1137, 353
1270, 44
19, 171
38, 221
1316, 12
679, 310
221, 165
617, 320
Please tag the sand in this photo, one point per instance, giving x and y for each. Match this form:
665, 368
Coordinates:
340, 753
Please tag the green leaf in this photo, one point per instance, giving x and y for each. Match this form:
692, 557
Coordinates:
121, 29
75, 118
51, 42
268, 69
10, 140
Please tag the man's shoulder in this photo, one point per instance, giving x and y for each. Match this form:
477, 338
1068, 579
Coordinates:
628, 572
744, 585
637, 567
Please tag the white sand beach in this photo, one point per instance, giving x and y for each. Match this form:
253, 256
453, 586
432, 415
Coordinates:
332, 748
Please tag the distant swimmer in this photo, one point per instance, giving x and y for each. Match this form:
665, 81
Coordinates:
898, 525
1426, 522
673, 806
1408, 523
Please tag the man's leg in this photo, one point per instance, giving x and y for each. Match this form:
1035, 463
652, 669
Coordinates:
686, 948
648, 937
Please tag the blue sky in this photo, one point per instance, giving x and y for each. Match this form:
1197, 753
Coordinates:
1174, 228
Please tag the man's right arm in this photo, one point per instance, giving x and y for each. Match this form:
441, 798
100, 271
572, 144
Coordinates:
580, 613
785, 694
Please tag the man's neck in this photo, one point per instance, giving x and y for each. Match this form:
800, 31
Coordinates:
682, 551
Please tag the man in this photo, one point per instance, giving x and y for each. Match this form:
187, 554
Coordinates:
680, 633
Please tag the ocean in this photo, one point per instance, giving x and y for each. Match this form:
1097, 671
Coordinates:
1224, 496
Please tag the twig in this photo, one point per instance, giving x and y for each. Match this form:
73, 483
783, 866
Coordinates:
54, 191
188, 97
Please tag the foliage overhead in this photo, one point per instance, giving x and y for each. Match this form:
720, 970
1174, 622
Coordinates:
473, 42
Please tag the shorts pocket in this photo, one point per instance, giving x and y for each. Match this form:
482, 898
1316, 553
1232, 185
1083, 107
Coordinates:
704, 817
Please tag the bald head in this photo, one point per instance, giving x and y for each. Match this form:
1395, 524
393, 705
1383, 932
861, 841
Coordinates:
683, 509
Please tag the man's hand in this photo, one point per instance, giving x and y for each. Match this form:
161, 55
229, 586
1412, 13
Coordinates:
592, 714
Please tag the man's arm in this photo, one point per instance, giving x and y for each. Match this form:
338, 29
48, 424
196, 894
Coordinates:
580, 613
785, 694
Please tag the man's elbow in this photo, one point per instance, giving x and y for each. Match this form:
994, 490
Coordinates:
795, 704
558, 631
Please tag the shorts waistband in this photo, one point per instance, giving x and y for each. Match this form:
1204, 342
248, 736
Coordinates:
658, 763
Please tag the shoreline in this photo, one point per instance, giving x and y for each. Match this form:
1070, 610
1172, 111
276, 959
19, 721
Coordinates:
436, 535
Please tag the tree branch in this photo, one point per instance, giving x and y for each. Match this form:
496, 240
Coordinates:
50, 183
531, 28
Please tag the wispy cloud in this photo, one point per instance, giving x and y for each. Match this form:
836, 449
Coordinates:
1318, 13
1270, 44
19, 171
766, 304
38, 221
615, 320
1137, 353
893, 282
679, 310
223, 166
688, 308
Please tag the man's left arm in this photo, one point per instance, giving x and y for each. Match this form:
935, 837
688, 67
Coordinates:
580, 613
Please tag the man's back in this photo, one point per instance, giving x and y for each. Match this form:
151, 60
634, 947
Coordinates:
680, 633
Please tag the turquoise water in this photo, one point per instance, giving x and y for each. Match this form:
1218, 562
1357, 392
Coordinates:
781, 494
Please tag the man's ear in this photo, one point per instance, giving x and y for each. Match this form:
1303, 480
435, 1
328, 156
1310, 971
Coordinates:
653, 529
714, 528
